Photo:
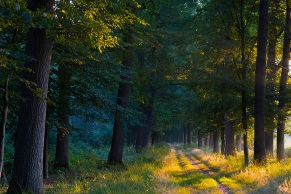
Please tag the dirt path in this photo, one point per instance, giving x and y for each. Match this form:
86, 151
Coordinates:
207, 172
222, 188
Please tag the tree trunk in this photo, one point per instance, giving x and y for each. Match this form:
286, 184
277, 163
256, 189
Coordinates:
117, 144
246, 149
200, 138
147, 133
216, 141
270, 105
184, 134
259, 140
148, 140
239, 142
222, 148
27, 173
229, 138
3, 126
206, 141
227, 103
45, 154
244, 91
283, 84
62, 146
188, 133
140, 130
210, 141
195, 137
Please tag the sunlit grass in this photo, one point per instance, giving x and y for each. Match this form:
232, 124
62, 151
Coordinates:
180, 176
272, 178
89, 174
163, 170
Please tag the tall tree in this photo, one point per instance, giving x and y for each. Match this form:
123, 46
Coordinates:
27, 173
117, 145
259, 140
62, 146
283, 86
275, 32
3, 126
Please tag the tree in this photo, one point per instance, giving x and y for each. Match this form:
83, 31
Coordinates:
117, 145
3, 126
275, 31
259, 140
283, 85
62, 146
27, 173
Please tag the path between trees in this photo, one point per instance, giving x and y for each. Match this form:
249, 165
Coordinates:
223, 189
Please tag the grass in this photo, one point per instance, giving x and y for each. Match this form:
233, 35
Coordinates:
275, 177
178, 175
89, 174
161, 169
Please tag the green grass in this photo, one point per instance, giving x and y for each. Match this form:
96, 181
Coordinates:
89, 174
275, 177
161, 169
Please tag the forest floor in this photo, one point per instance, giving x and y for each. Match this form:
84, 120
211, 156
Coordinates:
175, 169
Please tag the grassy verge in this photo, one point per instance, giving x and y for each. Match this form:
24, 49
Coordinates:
275, 177
88, 173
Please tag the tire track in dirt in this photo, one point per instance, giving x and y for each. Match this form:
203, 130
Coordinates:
222, 188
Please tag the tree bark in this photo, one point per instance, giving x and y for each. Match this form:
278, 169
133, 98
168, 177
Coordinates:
244, 91
140, 130
148, 139
62, 146
206, 140
229, 138
200, 137
270, 105
3, 126
147, 133
229, 130
188, 133
210, 141
239, 142
246, 149
259, 140
216, 141
271, 112
45, 154
195, 137
283, 85
27, 173
222, 136
117, 144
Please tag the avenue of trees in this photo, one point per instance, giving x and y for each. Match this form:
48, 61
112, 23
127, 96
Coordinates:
85, 74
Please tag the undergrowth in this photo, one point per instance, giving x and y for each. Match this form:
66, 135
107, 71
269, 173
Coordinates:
88, 173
